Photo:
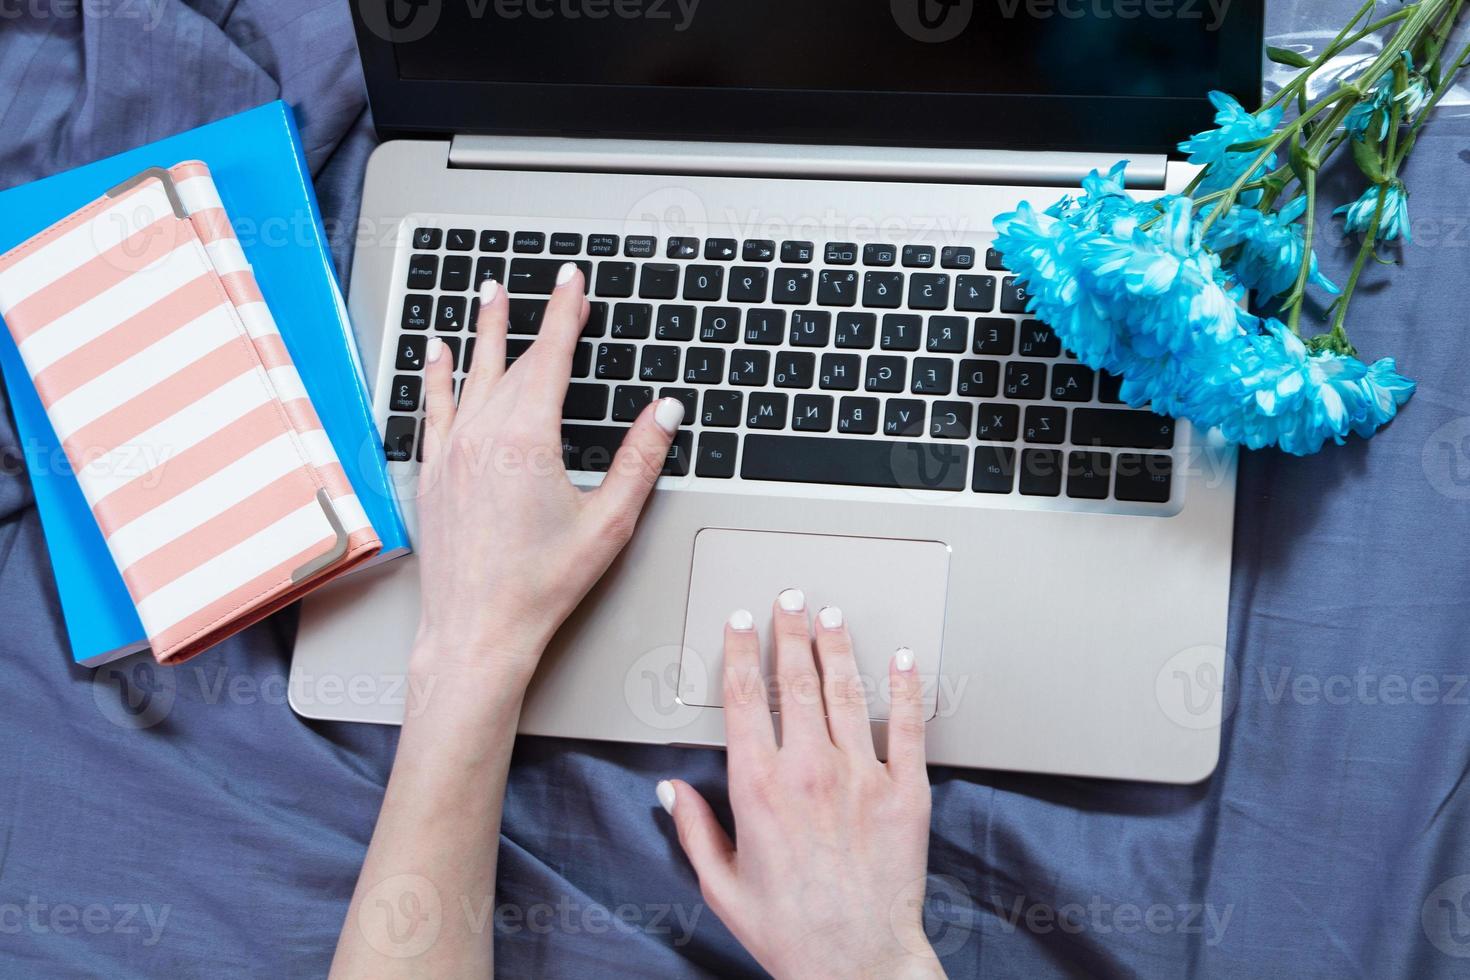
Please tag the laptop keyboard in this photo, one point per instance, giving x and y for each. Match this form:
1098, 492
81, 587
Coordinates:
883, 365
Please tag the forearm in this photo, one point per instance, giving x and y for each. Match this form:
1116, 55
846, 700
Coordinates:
426, 891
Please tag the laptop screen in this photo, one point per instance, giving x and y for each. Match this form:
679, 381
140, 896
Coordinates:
1065, 74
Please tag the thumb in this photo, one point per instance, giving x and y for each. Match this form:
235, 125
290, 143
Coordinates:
640, 460
704, 841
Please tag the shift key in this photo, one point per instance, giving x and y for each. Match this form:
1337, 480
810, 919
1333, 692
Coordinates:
1121, 429
592, 447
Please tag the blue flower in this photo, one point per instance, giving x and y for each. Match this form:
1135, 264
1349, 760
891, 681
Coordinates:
1233, 125
1270, 246
1414, 96
1393, 223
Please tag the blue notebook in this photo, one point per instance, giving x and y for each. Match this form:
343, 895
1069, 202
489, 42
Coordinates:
259, 166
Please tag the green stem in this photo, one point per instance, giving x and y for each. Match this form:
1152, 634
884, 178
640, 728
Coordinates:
1299, 291
1338, 337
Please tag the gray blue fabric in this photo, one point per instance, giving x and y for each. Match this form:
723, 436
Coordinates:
187, 824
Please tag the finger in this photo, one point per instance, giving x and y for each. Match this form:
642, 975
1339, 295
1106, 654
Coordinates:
490, 331
547, 366
798, 687
905, 718
750, 737
842, 687
438, 399
704, 841
639, 463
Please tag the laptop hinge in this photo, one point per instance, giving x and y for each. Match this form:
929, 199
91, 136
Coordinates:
922, 165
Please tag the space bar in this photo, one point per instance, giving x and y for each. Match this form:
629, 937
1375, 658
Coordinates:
855, 462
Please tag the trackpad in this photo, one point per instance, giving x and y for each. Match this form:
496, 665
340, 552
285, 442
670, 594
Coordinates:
891, 593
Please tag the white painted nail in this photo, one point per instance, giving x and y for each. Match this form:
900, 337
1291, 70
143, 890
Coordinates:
830, 617
665, 792
742, 620
669, 414
565, 273
436, 349
792, 600
488, 289
903, 659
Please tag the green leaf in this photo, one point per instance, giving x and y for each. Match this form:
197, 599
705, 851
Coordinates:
1368, 155
1285, 56
1249, 145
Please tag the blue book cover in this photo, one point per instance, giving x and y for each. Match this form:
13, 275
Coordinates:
259, 166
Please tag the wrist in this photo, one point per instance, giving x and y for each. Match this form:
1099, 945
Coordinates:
503, 664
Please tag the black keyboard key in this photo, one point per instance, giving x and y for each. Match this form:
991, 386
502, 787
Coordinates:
954, 257
885, 373
1071, 383
995, 469
494, 241
811, 328
592, 448
997, 422
797, 253
716, 456
993, 260
451, 345
978, 379
795, 369
417, 312
1088, 475
404, 396
398, 438
932, 376
526, 315
765, 410
1045, 424
451, 313
813, 413
950, 420
758, 250
720, 249
974, 294
840, 372
704, 366
456, 275
704, 282
615, 279
1024, 381
880, 255
1037, 340
596, 324
411, 353
855, 462
1041, 472
632, 321
841, 253
1121, 428
582, 360
994, 335
750, 368
469, 356
837, 287
722, 408
883, 290
682, 248
857, 416
747, 284
429, 238
947, 335
489, 268
719, 325
675, 323
1146, 479
629, 401
792, 286
602, 245
460, 240
615, 361
423, 271
515, 347
565, 243
585, 401
539, 275
687, 396
640, 247
903, 417
928, 291
1108, 386
918, 256
857, 330
901, 331
1013, 299
766, 327
529, 242
659, 281
659, 363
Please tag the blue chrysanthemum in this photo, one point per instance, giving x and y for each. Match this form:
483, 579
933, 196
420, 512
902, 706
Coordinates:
1233, 125
1270, 245
1392, 224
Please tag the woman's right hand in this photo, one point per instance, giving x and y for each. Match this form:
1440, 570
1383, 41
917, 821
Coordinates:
828, 877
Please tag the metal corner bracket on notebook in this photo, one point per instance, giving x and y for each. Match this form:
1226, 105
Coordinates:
163, 177
339, 551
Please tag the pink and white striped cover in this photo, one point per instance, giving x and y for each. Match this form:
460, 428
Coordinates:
179, 409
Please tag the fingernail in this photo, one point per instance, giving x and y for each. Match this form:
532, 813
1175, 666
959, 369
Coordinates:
792, 600
742, 620
565, 273
669, 414
903, 659
436, 349
830, 617
666, 797
488, 289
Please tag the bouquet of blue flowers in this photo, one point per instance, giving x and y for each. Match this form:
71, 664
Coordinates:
1196, 299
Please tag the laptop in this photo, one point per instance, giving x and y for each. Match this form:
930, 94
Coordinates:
784, 211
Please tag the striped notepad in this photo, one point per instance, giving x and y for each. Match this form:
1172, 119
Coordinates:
192, 438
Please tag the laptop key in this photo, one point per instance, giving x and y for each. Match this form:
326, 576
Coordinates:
750, 368
883, 290
978, 379
704, 366
428, 238
494, 241
795, 369
565, 243
879, 255
423, 271
1045, 424
766, 410
515, 348
947, 335
903, 417
797, 253
460, 240
456, 275
1108, 388
995, 469
1013, 297
792, 286
1037, 340
719, 325
640, 246
974, 294
1146, 479
766, 327
682, 248
629, 401
954, 257
539, 275
811, 328
632, 321
451, 313
1088, 475
716, 456
602, 245
813, 413
950, 420
529, 242
404, 396
932, 376
675, 323
748, 284
411, 353
722, 409
659, 363
758, 250
1041, 472
857, 330
901, 331
615, 279
857, 415
398, 438
615, 361
997, 422
489, 268
591, 448
585, 401
719, 249
840, 372
885, 374
854, 462
526, 314
1124, 429
417, 312
1071, 383
596, 324
841, 253
659, 281
1024, 381
928, 291
704, 282
994, 261
837, 288
688, 396
582, 360
918, 256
